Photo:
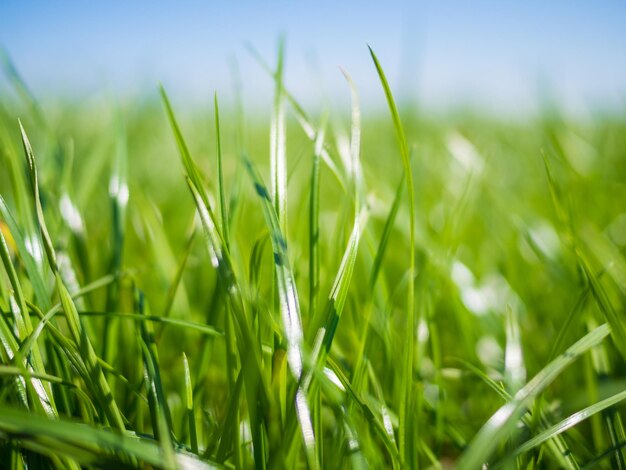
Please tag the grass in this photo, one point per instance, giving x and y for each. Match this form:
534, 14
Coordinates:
405, 291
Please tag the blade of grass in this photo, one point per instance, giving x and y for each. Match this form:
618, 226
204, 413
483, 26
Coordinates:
355, 143
289, 304
180, 269
220, 174
230, 431
406, 424
21, 87
278, 145
339, 291
304, 120
191, 415
157, 405
24, 212
88, 444
8, 351
374, 421
618, 326
34, 275
503, 421
118, 201
561, 452
247, 343
570, 422
189, 325
514, 369
101, 386
314, 226
289, 309
42, 392
28, 343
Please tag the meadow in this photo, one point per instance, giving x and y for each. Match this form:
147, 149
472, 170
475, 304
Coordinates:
297, 289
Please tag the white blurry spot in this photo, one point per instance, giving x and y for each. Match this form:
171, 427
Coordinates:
473, 297
515, 363
461, 275
546, 239
343, 147
617, 230
333, 378
450, 373
353, 444
464, 153
119, 190
475, 300
34, 248
70, 214
492, 294
422, 331
489, 351
466, 162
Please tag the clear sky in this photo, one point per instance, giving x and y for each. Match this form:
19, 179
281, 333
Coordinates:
498, 54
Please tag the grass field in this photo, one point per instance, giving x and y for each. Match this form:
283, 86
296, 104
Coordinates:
213, 289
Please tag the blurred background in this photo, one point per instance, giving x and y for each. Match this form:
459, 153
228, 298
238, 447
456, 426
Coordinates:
499, 57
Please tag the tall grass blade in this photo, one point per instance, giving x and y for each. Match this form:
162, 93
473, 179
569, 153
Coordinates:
118, 199
159, 410
314, 227
288, 296
339, 291
101, 386
278, 145
355, 144
247, 343
306, 123
220, 173
289, 309
406, 424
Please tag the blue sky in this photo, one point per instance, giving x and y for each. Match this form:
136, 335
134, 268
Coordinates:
499, 55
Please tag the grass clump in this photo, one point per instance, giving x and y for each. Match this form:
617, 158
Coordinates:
405, 292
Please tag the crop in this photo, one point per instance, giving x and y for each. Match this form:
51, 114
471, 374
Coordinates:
394, 290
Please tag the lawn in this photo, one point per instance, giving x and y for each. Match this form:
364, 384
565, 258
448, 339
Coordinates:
306, 289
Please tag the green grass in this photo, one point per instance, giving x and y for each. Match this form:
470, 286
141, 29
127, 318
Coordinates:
345, 290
